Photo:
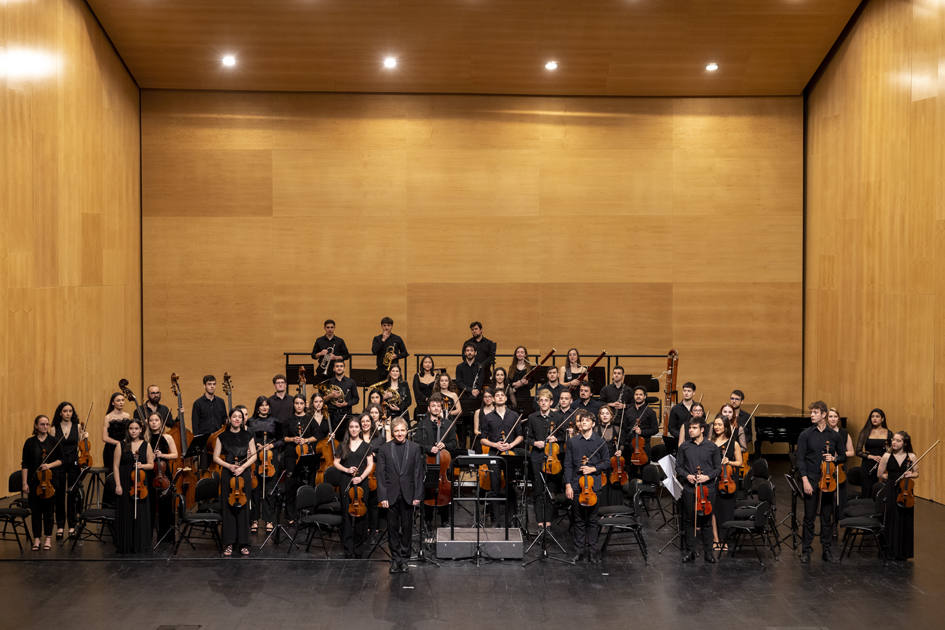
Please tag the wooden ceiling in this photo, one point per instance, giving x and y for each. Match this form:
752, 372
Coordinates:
604, 47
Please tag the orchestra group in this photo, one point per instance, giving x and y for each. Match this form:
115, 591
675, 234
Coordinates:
579, 453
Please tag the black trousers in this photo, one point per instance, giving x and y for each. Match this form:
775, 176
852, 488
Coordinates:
544, 508
690, 521
826, 502
586, 525
399, 529
162, 513
41, 514
265, 506
66, 476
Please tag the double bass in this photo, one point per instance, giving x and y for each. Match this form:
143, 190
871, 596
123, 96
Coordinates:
185, 481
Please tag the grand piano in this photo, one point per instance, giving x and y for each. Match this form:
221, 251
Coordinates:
782, 424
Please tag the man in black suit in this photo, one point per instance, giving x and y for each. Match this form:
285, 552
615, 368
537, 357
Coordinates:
400, 472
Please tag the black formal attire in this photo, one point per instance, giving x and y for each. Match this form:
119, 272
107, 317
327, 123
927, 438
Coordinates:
724, 506
267, 430
117, 430
485, 352
350, 390
353, 530
555, 394
872, 446
586, 518
690, 459
679, 417
298, 473
537, 430
611, 393
66, 474
900, 521
208, 415
281, 408
468, 378
811, 446
649, 426
144, 412
132, 535
400, 472
421, 394
234, 449
743, 417
379, 349
405, 400
523, 394
612, 493
41, 510
430, 431
493, 427
324, 343
590, 405
161, 504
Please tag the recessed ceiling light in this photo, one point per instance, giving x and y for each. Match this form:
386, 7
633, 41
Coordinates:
551, 65
711, 66
228, 60
390, 62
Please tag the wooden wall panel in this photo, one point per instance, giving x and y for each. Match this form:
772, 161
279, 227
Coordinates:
633, 225
876, 226
69, 223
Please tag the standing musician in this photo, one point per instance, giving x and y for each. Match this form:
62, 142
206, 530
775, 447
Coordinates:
617, 394
344, 403
500, 380
298, 431
900, 518
329, 347
375, 435
573, 369
66, 427
209, 411
846, 444
381, 422
355, 461
280, 403
436, 433
485, 348
161, 503
40, 453
698, 413
388, 348
539, 426
454, 409
723, 508
871, 444
133, 515
585, 399
396, 393
553, 386
679, 416
470, 375
114, 428
698, 461
235, 453
487, 407
586, 444
521, 386
400, 472
638, 419
423, 382
268, 433
612, 493
727, 413
736, 399
503, 433
812, 451
154, 405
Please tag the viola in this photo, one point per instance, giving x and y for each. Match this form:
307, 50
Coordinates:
638, 456
140, 477
45, 488
587, 497
551, 465
303, 449
85, 448
703, 505
237, 496
265, 467
160, 480
905, 492
356, 506
828, 471
618, 471
727, 480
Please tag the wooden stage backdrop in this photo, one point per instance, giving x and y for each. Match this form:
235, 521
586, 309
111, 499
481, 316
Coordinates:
633, 225
876, 226
69, 221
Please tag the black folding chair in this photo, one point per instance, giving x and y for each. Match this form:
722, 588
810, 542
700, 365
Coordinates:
205, 517
625, 523
758, 530
101, 513
318, 510
871, 526
13, 511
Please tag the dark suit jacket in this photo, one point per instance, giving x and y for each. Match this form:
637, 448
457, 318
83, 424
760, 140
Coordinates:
396, 478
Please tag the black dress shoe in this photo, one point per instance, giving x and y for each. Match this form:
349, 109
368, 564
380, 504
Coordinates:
578, 557
394, 567
595, 557
805, 558
403, 567
709, 557
689, 557
828, 558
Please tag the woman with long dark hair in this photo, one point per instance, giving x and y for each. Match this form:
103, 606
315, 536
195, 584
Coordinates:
114, 428
355, 461
871, 444
235, 454
40, 453
133, 516
268, 433
66, 427
900, 520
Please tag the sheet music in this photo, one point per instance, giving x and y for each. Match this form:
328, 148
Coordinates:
668, 464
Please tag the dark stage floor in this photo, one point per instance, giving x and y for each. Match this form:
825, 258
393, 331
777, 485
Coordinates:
92, 588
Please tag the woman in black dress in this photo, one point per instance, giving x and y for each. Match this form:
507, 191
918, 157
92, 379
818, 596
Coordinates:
871, 445
235, 453
355, 461
161, 502
114, 428
132, 516
500, 380
833, 422
520, 385
900, 520
268, 433
423, 385
396, 394
65, 426
724, 508
40, 453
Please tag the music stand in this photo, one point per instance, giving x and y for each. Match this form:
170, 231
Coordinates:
472, 463
280, 507
197, 446
545, 532
796, 493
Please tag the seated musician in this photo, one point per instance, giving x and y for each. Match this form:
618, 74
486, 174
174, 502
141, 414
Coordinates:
586, 444
435, 433
540, 424
341, 405
698, 461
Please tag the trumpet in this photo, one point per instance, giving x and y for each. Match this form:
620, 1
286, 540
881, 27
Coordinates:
325, 363
389, 357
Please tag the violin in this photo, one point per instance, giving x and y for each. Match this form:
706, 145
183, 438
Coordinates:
618, 472
905, 492
727, 480
828, 471
703, 505
160, 480
638, 457
551, 465
265, 468
587, 497
356, 506
45, 488
304, 448
237, 496
140, 477
85, 448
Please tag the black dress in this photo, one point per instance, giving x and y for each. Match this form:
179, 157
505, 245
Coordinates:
422, 393
234, 448
900, 521
117, 430
132, 534
162, 505
873, 446
724, 506
354, 530
66, 475
266, 431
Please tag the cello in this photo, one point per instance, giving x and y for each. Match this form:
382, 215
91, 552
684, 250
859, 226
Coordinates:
442, 461
326, 448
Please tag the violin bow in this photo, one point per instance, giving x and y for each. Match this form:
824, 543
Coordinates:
913, 464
